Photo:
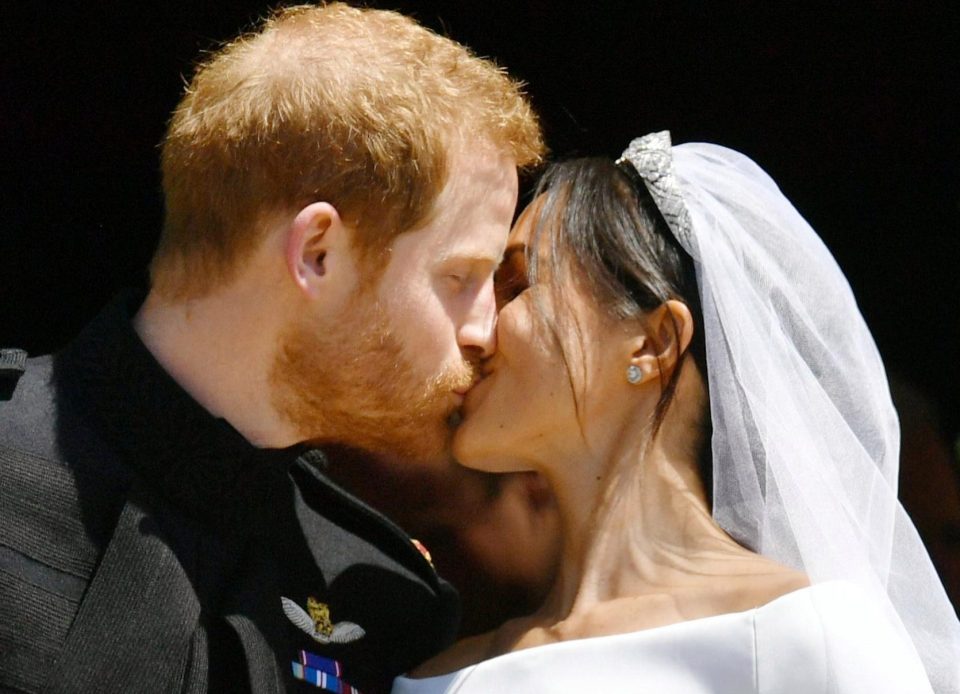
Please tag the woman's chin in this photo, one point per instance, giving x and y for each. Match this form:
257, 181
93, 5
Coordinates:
464, 446
472, 447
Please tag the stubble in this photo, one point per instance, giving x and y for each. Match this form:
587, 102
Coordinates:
356, 385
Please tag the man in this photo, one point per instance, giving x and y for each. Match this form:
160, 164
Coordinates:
338, 186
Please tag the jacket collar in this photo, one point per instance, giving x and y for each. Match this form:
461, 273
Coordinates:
197, 461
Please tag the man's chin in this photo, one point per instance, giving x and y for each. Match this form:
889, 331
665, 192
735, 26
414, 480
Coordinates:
408, 442
422, 446
429, 449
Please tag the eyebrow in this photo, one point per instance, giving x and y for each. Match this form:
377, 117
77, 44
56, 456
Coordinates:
468, 259
512, 250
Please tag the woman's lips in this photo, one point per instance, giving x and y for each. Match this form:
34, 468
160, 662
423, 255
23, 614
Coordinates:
469, 402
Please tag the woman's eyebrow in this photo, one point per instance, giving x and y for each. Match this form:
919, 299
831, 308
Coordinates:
512, 250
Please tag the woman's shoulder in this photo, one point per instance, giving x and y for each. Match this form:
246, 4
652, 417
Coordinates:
463, 653
621, 617
830, 636
692, 656
766, 582
819, 612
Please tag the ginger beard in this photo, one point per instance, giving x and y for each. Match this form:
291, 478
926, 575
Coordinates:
356, 385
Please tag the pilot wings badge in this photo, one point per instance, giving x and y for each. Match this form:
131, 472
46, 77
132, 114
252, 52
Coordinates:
315, 622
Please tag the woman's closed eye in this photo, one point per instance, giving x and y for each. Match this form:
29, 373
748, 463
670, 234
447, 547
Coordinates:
510, 279
508, 286
508, 289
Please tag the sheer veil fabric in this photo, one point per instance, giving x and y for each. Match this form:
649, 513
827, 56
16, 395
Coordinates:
805, 436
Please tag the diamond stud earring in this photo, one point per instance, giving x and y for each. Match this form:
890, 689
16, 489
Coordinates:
634, 373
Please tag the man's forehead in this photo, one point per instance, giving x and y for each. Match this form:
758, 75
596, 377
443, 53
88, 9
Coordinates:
475, 208
480, 173
470, 237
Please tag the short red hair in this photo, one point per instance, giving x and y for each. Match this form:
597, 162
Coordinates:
356, 107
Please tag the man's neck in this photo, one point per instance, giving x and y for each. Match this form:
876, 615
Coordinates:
219, 349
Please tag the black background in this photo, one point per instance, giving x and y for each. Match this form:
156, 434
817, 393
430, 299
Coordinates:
850, 107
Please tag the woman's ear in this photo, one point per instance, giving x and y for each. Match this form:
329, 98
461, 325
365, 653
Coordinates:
656, 352
317, 242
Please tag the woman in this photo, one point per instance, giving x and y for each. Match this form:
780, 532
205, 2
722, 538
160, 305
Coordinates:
684, 362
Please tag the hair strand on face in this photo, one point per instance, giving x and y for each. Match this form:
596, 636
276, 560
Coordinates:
601, 229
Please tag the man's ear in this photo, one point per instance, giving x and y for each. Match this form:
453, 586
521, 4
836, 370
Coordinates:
317, 243
656, 352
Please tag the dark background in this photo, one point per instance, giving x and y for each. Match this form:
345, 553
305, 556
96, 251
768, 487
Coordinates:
851, 108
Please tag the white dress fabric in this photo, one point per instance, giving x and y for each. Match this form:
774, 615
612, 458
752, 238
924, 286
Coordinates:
787, 646
805, 437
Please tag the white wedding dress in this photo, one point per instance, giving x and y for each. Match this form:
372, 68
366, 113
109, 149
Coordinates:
784, 647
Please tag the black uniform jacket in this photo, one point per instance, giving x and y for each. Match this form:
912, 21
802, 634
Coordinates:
147, 546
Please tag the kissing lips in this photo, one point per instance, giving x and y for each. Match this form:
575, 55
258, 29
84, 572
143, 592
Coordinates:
475, 395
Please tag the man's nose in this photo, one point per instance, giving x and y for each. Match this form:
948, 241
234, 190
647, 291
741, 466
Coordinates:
478, 333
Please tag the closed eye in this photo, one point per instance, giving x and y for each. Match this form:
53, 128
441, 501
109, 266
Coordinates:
464, 274
510, 280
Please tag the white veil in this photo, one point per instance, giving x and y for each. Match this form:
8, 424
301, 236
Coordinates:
805, 437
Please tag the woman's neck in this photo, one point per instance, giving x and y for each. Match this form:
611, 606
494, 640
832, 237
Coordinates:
650, 530
640, 548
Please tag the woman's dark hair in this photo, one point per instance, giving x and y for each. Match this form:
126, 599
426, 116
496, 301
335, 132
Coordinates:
597, 218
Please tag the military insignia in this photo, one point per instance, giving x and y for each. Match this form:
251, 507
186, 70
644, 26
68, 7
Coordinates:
321, 679
321, 672
318, 662
315, 622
